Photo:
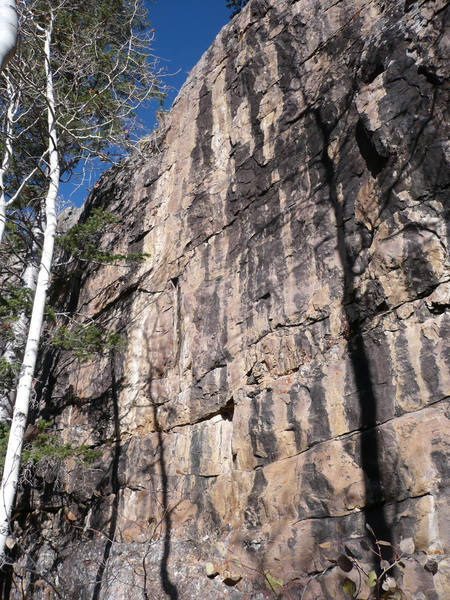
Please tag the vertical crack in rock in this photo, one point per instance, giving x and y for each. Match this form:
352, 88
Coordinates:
177, 328
374, 161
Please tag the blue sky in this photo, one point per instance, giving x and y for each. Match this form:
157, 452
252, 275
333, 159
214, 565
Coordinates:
184, 29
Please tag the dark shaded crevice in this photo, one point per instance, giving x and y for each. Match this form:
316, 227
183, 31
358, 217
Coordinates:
230, 582
140, 236
374, 161
377, 70
265, 296
429, 75
6, 578
178, 317
219, 364
439, 309
226, 412
114, 484
45, 385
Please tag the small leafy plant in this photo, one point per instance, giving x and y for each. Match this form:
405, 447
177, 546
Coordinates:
272, 583
382, 585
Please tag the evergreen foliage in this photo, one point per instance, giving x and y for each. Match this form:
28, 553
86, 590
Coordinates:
9, 371
236, 5
83, 240
84, 341
13, 301
103, 70
46, 448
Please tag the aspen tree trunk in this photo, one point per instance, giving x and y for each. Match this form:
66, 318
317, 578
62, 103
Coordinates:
19, 328
29, 276
13, 454
2, 219
11, 111
8, 30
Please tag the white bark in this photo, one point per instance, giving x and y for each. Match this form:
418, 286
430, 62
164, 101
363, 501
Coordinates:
13, 454
19, 334
12, 109
8, 30
2, 218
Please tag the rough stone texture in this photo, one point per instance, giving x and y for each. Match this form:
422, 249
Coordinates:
285, 380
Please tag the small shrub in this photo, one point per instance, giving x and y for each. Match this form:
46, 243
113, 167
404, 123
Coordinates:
45, 447
85, 341
383, 586
82, 241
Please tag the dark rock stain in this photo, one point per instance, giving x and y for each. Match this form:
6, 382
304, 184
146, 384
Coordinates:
195, 450
261, 428
294, 394
407, 380
317, 491
255, 507
430, 368
200, 495
202, 153
418, 270
318, 414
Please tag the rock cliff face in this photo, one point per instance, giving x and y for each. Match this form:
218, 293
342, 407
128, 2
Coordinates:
284, 381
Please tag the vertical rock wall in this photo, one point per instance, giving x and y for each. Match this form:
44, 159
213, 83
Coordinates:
284, 382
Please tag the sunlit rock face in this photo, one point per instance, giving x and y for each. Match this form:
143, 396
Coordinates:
284, 381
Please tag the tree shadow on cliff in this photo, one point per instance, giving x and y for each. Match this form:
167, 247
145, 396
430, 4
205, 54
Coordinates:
168, 586
355, 314
114, 483
370, 454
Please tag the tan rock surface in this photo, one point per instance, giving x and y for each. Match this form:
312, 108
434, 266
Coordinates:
285, 379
